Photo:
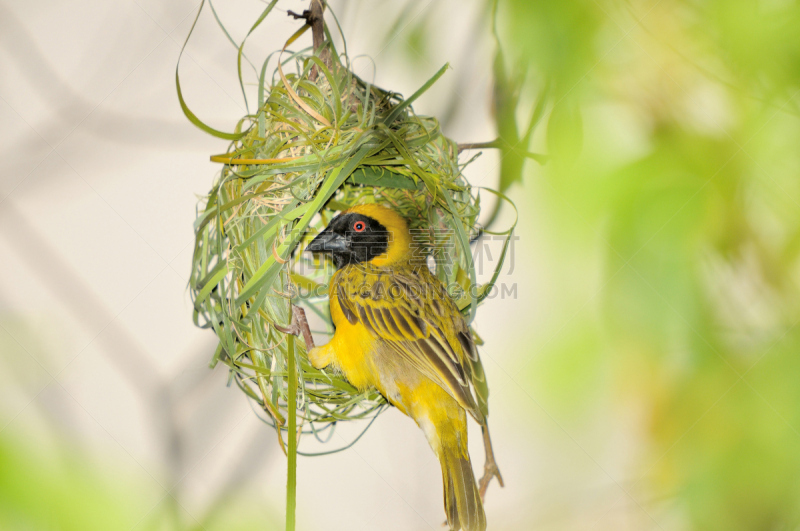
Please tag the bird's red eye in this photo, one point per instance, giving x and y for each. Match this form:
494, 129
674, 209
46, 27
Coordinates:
359, 226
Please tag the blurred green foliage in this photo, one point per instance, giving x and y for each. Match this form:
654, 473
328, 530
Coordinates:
672, 208
35, 494
60, 487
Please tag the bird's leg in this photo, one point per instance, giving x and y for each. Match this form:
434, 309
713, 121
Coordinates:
318, 356
298, 326
490, 469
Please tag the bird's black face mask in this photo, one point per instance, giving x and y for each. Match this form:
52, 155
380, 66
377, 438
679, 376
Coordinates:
351, 239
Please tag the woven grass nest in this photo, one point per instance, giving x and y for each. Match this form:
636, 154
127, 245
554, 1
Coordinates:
321, 140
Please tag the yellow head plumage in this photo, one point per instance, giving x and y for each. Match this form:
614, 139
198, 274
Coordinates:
399, 248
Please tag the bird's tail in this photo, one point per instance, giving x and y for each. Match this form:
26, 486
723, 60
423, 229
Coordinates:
462, 502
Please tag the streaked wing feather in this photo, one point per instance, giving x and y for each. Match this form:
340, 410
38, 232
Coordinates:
390, 307
345, 305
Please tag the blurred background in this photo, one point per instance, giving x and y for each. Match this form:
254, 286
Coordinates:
643, 363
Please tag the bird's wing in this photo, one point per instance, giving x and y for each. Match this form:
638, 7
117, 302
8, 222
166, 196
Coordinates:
412, 313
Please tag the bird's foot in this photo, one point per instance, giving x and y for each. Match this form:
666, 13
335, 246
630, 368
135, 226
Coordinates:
298, 326
490, 471
292, 329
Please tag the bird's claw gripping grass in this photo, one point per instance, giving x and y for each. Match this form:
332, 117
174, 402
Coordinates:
490, 471
298, 326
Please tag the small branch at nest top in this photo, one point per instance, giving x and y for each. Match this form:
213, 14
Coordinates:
314, 19
498, 144
478, 145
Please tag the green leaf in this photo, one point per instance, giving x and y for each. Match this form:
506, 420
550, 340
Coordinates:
406, 103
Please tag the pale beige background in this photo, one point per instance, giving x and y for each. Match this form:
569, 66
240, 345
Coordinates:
99, 178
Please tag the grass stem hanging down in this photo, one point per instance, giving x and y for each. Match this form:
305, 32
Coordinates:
291, 474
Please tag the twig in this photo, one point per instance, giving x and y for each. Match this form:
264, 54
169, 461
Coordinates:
498, 144
314, 18
478, 145
317, 23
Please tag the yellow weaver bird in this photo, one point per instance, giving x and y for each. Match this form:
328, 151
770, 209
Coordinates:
398, 330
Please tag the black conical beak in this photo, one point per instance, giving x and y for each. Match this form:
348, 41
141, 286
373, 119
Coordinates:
328, 241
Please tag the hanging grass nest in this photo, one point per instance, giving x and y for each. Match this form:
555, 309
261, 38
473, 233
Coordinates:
320, 141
